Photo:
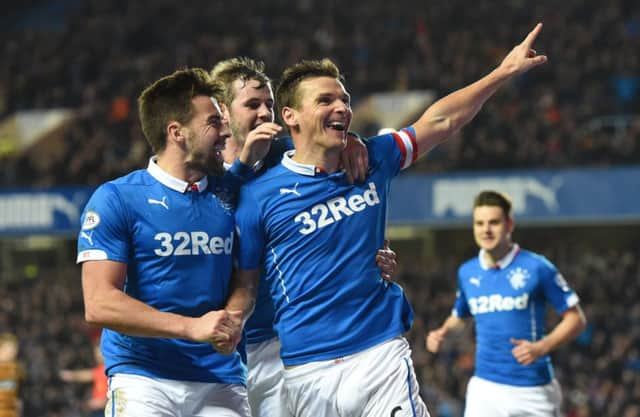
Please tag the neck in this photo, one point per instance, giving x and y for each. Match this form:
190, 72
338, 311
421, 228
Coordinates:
231, 151
176, 167
310, 153
494, 256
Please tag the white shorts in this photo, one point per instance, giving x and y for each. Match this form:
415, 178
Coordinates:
136, 396
264, 380
379, 381
490, 399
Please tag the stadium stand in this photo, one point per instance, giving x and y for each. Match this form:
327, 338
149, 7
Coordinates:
582, 110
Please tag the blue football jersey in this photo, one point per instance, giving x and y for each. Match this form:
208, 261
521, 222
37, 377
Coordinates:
259, 326
316, 236
509, 302
176, 240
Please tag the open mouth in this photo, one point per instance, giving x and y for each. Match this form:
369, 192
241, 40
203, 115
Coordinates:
340, 126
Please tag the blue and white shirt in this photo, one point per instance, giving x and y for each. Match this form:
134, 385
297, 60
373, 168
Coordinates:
176, 239
507, 302
259, 326
316, 236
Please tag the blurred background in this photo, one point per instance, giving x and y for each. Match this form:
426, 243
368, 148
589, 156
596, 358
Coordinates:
563, 141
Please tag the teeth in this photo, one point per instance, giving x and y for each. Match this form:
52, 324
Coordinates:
336, 125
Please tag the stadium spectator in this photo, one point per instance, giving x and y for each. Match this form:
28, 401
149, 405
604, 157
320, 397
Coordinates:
95, 375
11, 376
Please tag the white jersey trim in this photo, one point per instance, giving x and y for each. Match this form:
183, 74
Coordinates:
298, 168
502, 263
172, 182
91, 255
408, 143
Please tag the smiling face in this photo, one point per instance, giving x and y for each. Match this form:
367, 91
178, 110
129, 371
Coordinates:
252, 105
492, 229
205, 135
324, 112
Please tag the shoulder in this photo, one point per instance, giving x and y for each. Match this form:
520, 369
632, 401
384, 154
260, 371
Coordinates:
536, 259
469, 266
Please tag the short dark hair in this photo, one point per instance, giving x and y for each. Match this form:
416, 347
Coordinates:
239, 68
493, 198
169, 99
287, 91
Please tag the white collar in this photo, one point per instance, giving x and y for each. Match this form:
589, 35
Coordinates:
502, 263
172, 182
304, 169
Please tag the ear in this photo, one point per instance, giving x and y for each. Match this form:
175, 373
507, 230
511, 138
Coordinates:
511, 224
224, 110
174, 133
289, 117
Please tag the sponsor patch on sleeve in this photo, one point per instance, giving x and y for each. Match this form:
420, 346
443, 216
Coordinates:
91, 220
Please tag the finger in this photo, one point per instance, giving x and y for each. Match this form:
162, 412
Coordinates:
531, 37
538, 60
362, 164
348, 168
387, 242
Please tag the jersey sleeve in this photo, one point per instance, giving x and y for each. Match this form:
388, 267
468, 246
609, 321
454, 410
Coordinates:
397, 150
460, 305
556, 289
278, 148
249, 232
104, 232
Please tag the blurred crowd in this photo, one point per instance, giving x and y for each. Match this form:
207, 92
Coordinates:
96, 56
599, 372
580, 109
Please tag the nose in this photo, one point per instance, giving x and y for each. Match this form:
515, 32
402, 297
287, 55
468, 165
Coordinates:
265, 113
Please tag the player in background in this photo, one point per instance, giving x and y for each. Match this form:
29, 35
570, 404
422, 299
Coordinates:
96, 376
11, 376
249, 103
341, 325
506, 289
155, 247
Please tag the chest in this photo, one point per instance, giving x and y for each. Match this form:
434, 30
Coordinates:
312, 207
167, 224
511, 289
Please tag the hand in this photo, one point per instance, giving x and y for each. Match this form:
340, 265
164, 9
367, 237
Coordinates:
434, 340
65, 375
387, 261
354, 159
523, 57
258, 142
527, 352
219, 328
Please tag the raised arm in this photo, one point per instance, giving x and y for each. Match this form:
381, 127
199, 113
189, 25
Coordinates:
107, 305
449, 114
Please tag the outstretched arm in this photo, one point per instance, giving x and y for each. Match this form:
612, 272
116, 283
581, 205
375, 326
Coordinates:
572, 324
449, 114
